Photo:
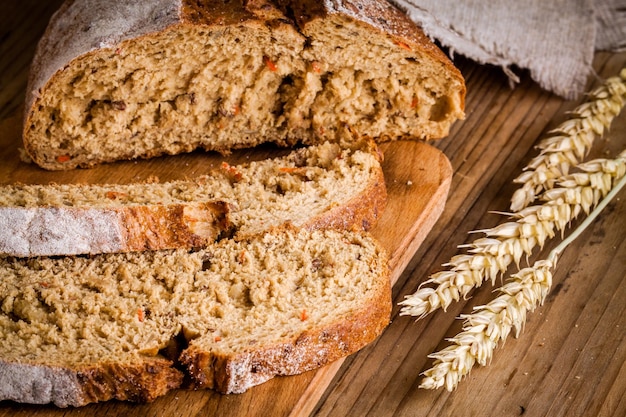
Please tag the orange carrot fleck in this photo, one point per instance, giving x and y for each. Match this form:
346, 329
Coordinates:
269, 63
217, 339
402, 45
63, 158
140, 314
304, 315
231, 170
114, 195
315, 65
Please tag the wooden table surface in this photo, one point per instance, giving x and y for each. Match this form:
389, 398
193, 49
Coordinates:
570, 359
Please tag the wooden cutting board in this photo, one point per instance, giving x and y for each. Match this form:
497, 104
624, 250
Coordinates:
418, 178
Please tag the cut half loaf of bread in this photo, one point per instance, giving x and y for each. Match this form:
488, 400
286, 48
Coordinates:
323, 186
77, 330
126, 79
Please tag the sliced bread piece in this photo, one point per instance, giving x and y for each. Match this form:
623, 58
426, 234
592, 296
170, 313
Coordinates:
48, 230
316, 187
76, 330
128, 79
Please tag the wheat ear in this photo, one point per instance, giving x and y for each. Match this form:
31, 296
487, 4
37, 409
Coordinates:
508, 242
571, 141
490, 256
490, 324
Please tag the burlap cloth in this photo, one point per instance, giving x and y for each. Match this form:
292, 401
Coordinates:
554, 40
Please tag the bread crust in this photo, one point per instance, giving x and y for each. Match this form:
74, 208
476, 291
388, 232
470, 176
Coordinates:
187, 225
64, 387
49, 231
141, 382
362, 212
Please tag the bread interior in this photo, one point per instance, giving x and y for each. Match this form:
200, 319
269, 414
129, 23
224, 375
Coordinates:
236, 86
306, 183
83, 312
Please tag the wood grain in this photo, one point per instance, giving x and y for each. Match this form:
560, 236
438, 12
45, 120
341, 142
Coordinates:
570, 360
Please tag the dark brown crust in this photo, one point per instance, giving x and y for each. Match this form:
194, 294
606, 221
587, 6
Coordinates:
225, 13
143, 382
308, 350
154, 227
218, 13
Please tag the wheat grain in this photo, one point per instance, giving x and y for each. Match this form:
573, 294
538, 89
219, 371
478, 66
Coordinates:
571, 141
565, 196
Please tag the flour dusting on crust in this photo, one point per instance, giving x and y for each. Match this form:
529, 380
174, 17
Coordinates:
118, 21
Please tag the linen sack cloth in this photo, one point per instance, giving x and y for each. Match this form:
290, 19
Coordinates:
554, 40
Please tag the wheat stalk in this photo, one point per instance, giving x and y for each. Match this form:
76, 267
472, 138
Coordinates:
571, 140
490, 324
489, 257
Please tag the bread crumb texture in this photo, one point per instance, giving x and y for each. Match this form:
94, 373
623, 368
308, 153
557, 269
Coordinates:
113, 81
312, 178
326, 185
88, 329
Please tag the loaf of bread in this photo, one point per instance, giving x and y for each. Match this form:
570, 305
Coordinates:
127, 79
76, 329
320, 186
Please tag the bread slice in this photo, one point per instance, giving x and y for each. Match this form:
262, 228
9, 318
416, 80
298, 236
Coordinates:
129, 79
76, 330
321, 186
